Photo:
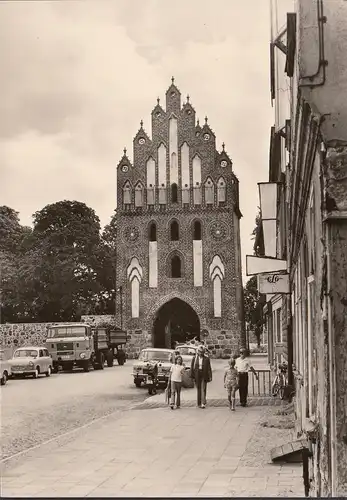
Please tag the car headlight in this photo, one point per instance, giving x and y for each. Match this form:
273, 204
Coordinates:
82, 355
31, 364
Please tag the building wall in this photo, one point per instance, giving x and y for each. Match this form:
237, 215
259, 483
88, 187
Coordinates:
316, 211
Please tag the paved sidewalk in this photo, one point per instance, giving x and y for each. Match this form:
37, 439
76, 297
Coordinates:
156, 452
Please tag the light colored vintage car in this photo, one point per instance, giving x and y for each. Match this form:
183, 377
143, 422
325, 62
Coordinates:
5, 369
163, 358
33, 361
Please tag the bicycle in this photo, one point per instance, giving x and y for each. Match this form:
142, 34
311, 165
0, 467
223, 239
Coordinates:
280, 381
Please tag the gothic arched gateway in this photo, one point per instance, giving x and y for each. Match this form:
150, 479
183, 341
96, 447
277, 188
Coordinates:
175, 321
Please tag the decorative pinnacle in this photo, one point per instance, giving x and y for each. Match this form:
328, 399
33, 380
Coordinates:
188, 97
223, 146
206, 119
173, 80
158, 100
141, 123
125, 151
198, 122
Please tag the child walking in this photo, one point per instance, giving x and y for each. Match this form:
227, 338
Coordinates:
175, 379
231, 379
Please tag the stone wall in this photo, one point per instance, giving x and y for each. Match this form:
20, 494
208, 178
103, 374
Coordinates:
16, 335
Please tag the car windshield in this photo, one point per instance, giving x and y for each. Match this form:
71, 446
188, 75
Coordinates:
25, 353
186, 351
155, 355
67, 331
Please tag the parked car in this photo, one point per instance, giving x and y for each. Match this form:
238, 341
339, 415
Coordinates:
33, 361
187, 352
142, 366
5, 369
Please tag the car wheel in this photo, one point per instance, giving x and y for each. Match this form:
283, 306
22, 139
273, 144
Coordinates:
49, 371
137, 383
4, 378
36, 373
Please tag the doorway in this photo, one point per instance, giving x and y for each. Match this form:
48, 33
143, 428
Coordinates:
175, 321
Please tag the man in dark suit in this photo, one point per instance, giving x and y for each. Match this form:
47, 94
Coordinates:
201, 372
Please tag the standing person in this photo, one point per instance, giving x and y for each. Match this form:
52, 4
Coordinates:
176, 377
243, 366
231, 383
201, 372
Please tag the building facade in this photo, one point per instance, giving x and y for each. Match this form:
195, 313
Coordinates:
308, 162
178, 220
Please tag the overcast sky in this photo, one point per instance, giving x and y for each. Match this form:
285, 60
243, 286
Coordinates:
77, 77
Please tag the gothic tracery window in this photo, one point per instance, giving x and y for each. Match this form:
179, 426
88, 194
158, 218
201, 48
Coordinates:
174, 193
197, 230
153, 232
176, 267
174, 231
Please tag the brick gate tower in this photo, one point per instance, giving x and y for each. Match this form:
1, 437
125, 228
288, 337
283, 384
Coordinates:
178, 221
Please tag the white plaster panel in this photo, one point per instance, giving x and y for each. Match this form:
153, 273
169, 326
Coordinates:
185, 165
135, 298
196, 170
162, 165
173, 150
217, 297
150, 167
153, 264
198, 264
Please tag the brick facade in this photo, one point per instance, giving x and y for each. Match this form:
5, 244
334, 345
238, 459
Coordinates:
224, 334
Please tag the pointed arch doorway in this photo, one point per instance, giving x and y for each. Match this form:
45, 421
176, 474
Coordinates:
175, 321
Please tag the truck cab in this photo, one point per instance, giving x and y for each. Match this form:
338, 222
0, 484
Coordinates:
70, 345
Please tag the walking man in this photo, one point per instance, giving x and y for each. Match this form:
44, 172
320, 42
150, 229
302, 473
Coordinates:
243, 366
201, 372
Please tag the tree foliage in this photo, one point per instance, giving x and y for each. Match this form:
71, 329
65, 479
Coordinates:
14, 240
253, 301
62, 268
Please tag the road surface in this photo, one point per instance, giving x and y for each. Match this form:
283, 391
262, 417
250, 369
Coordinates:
34, 411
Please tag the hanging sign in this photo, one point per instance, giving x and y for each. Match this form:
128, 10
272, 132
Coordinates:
260, 265
273, 283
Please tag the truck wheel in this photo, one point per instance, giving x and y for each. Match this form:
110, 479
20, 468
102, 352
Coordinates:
101, 361
137, 383
86, 366
55, 368
110, 360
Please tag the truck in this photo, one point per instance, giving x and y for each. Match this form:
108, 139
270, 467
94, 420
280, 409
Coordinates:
82, 345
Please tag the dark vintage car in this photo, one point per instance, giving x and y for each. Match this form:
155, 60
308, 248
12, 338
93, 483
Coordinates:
149, 356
